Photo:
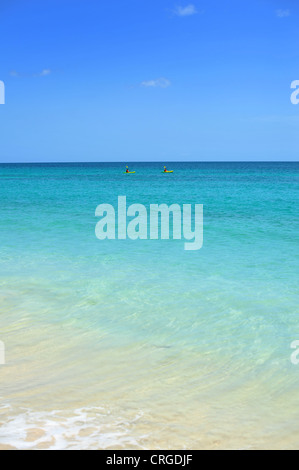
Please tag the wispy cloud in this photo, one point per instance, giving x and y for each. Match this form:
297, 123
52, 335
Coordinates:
282, 13
43, 73
158, 83
185, 11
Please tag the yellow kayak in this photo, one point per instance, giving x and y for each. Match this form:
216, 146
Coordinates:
129, 172
167, 171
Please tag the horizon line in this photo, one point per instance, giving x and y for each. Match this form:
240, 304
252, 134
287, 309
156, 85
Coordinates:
149, 161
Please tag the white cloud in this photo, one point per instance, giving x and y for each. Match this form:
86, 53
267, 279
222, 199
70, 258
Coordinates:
282, 13
186, 11
45, 72
158, 83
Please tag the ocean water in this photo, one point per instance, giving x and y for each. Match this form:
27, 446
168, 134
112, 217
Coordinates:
141, 344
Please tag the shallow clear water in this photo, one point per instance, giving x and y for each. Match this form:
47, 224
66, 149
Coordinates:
140, 344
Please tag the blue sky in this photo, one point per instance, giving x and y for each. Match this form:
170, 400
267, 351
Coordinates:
140, 80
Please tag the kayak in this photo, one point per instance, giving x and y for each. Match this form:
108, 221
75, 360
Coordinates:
167, 171
128, 172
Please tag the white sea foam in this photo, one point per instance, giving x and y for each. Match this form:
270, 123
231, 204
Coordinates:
84, 428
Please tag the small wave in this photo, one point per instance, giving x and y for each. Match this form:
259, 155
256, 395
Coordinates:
84, 428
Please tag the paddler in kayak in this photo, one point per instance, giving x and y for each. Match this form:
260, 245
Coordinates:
128, 171
165, 169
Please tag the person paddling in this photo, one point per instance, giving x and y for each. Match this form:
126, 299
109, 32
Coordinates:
167, 171
128, 171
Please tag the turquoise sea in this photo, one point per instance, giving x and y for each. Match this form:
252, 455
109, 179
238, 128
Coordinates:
141, 344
